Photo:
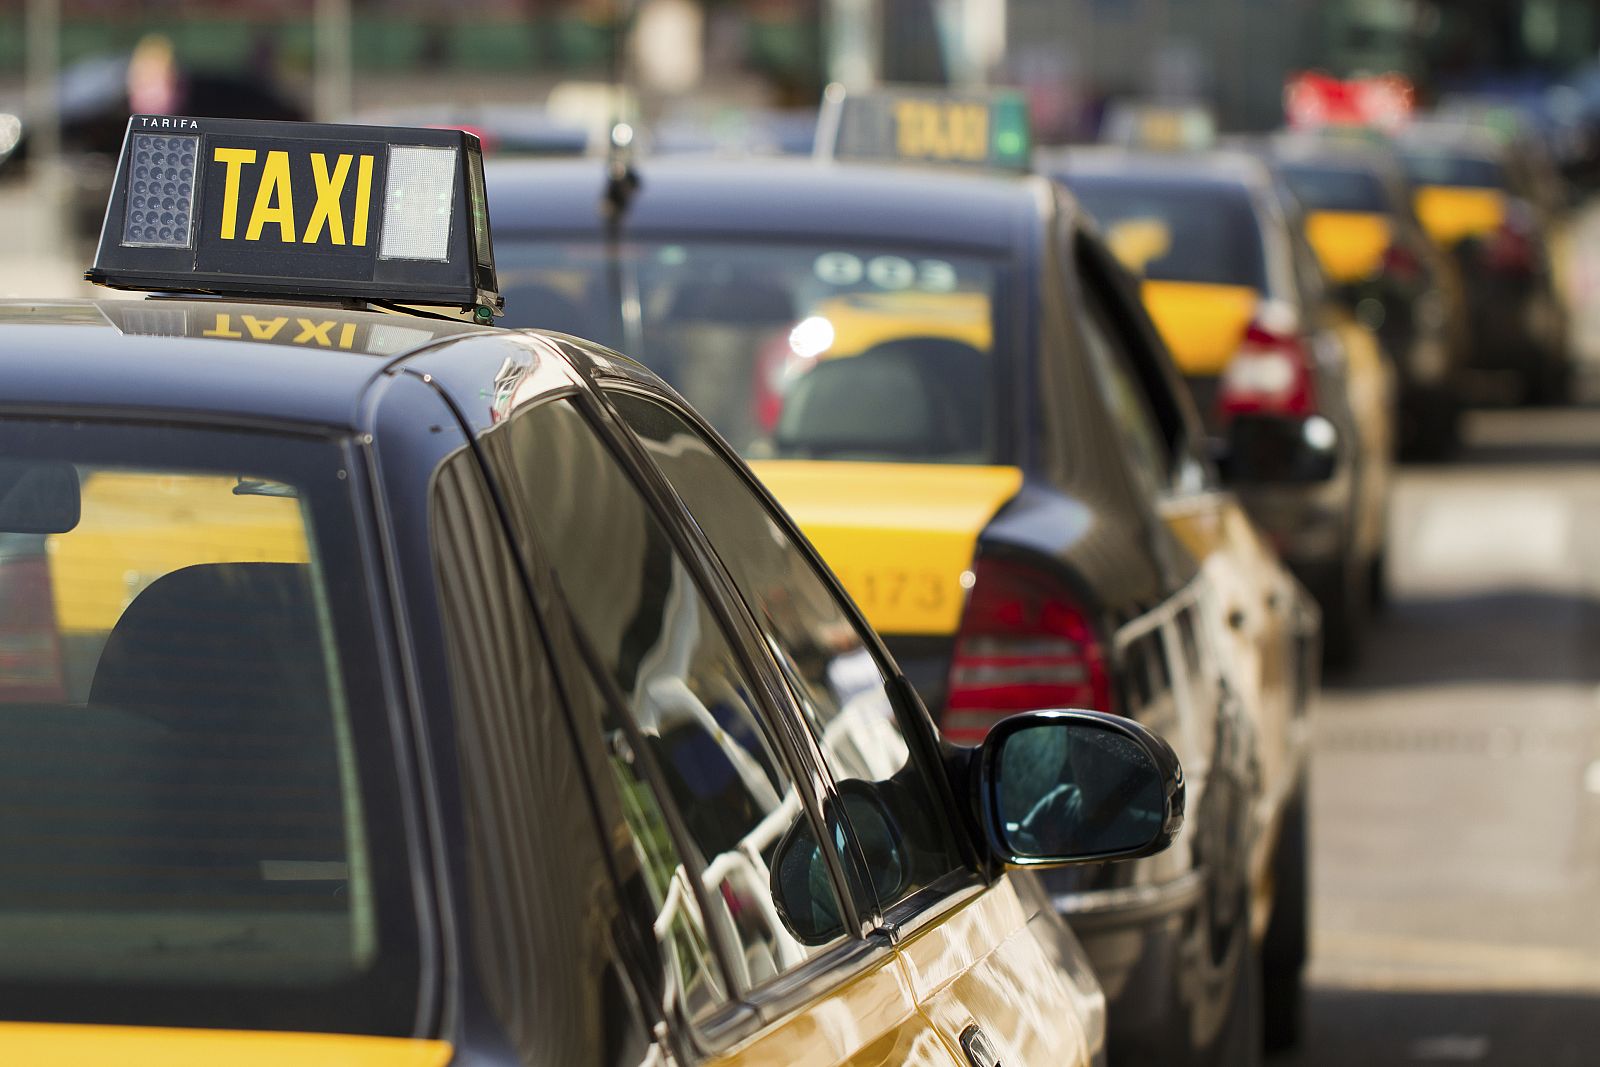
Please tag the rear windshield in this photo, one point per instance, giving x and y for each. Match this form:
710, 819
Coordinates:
1432, 167
793, 351
1178, 232
1326, 188
198, 813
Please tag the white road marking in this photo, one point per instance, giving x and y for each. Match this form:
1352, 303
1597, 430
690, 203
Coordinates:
1451, 1048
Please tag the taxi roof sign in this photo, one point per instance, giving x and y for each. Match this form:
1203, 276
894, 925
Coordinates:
980, 128
304, 210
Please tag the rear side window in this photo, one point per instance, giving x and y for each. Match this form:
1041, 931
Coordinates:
1176, 230
198, 818
697, 746
841, 688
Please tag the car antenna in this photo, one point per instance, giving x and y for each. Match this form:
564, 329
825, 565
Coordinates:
622, 183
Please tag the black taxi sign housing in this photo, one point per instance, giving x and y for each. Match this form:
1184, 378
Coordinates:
303, 210
982, 128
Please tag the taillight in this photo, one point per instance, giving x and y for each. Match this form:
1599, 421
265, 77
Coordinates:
1025, 644
1402, 263
1510, 251
30, 646
1270, 374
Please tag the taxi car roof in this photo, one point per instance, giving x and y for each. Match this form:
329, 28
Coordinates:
155, 355
800, 197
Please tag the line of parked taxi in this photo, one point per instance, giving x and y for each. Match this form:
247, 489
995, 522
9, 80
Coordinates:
904, 654
940, 366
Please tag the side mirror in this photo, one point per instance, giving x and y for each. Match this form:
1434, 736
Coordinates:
1265, 449
38, 496
1058, 787
802, 888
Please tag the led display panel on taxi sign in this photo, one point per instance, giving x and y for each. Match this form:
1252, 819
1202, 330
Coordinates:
986, 129
301, 210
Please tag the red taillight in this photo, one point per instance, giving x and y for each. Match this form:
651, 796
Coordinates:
1270, 374
1402, 263
1024, 645
1509, 250
30, 646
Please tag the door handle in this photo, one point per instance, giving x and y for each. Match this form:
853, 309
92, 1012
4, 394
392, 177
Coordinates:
979, 1052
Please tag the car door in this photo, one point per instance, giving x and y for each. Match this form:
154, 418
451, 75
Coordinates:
702, 763
991, 989
1250, 627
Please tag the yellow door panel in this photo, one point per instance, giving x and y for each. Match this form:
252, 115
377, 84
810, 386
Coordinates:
1349, 244
1202, 324
872, 1021
1372, 391
1451, 213
1252, 616
64, 1045
899, 535
983, 966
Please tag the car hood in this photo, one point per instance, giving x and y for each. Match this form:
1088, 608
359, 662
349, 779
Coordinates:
72, 1045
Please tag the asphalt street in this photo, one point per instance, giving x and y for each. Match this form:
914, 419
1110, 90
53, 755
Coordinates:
1456, 773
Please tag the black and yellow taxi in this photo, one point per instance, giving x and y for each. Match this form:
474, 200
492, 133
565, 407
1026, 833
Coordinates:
386, 689
1488, 201
1298, 392
1383, 264
947, 380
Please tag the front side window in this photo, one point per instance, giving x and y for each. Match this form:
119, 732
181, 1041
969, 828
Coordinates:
840, 685
696, 745
791, 351
199, 823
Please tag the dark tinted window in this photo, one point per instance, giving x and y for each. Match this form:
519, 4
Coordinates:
1430, 167
840, 685
1201, 231
1328, 188
199, 822
693, 706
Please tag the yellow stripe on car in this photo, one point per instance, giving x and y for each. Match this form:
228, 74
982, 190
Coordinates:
1349, 244
1452, 213
1201, 323
862, 320
72, 1045
899, 535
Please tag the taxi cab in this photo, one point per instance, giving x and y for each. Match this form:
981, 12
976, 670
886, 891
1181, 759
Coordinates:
385, 689
1297, 392
944, 377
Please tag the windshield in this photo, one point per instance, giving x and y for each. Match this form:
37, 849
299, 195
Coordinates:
1320, 187
1178, 232
792, 351
196, 824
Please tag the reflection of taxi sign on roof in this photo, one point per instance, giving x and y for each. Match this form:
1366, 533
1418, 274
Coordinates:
977, 128
300, 210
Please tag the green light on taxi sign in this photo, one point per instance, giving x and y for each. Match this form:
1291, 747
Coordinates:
300, 210
986, 129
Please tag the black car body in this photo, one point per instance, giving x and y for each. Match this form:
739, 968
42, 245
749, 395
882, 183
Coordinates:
438, 727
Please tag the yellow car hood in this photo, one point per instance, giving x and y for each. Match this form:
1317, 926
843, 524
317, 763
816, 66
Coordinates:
899, 535
62, 1045
1201, 323
1452, 213
1349, 244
